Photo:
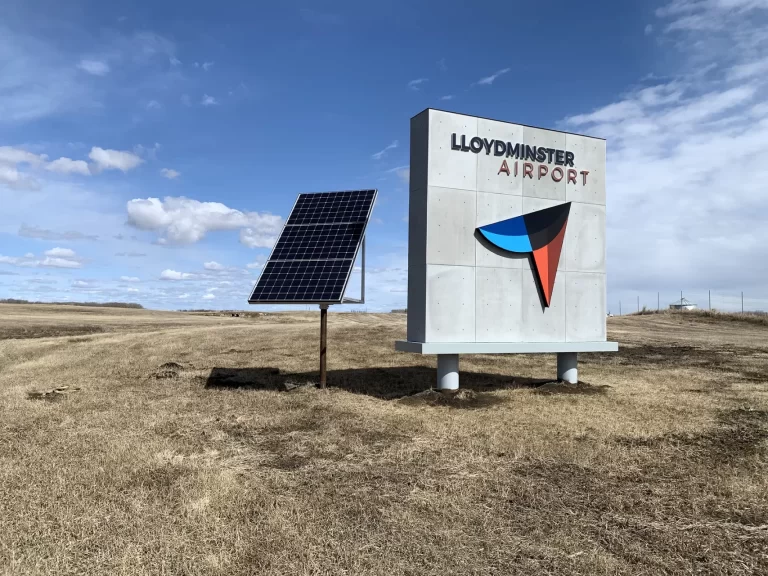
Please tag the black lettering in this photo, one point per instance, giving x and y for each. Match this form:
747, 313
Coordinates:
499, 148
476, 144
488, 143
559, 157
464, 147
569, 158
550, 152
454, 146
530, 153
541, 154
513, 151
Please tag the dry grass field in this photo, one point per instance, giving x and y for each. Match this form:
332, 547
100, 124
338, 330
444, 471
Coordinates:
190, 444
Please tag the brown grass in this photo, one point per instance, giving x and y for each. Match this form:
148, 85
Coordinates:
176, 449
759, 318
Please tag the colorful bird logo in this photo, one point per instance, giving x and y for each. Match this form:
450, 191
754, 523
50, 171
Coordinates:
540, 233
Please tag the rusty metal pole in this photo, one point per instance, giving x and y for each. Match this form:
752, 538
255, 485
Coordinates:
323, 341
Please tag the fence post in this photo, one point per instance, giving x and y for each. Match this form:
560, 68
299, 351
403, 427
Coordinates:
658, 302
710, 299
619, 307
742, 302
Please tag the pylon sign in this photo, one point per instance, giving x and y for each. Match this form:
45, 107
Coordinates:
506, 233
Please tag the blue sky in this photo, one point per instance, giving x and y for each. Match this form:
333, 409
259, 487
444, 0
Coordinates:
149, 151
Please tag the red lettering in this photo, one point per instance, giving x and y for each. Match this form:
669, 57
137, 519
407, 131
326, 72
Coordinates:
571, 176
584, 173
543, 170
555, 171
528, 170
515, 168
504, 168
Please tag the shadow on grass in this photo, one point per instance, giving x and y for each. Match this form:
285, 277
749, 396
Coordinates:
385, 383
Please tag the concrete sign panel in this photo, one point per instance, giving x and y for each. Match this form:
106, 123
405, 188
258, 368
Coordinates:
506, 235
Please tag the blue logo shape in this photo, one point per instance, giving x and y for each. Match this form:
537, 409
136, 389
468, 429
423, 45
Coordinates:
540, 234
510, 235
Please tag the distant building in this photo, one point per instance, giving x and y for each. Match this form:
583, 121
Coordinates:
682, 304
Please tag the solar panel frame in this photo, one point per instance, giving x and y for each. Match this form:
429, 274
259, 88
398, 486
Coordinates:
364, 223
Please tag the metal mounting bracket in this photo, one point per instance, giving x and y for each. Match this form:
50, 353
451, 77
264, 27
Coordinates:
347, 300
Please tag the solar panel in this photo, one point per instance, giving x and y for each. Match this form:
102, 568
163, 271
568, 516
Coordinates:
313, 258
332, 207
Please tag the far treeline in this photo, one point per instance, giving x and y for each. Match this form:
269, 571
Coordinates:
100, 304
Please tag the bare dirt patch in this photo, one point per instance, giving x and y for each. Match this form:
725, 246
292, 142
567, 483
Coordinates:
168, 370
52, 395
46, 331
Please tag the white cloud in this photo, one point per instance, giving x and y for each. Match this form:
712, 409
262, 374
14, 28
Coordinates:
60, 252
447, 97
686, 167
170, 173
648, 29
208, 100
49, 262
381, 153
95, 67
416, 84
113, 159
11, 155
185, 221
54, 258
12, 178
43, 234
37, 79
11, 159
258, 237
133, 290
209, 296
709, 15
183, 296
215, 266
258, 263
80, 284
174, 275
69, 166
207, 66
403, 172
147, 151
129, 279
153, 105
488, 80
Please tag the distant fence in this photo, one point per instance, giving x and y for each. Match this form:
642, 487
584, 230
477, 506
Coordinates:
736, 301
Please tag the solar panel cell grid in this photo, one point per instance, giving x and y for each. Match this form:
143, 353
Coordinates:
318, 241
332, 207
302, 281
313, 257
